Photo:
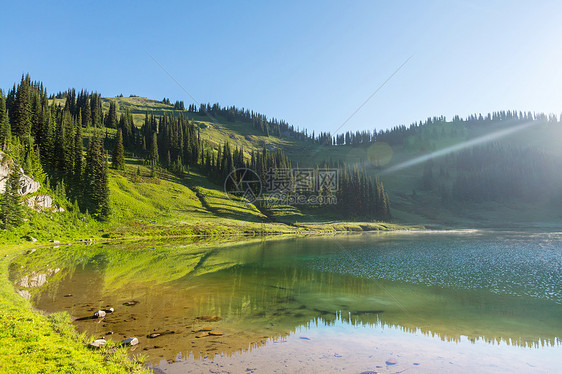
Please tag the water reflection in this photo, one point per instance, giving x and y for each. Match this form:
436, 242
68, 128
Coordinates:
258, 292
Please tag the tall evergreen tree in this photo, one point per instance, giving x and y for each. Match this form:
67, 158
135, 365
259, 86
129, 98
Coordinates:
118, 152
21, 111
78, 161
96, 187
11, 210
111, 119
153, 156
5, 128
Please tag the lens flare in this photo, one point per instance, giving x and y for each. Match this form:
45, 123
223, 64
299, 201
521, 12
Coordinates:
379, 154
457, 147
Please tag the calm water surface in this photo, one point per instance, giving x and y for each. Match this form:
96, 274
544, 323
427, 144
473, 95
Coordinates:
421, 302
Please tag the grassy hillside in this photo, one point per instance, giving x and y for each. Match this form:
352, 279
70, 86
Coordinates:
411, 203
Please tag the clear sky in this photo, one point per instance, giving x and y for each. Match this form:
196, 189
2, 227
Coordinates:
311, 63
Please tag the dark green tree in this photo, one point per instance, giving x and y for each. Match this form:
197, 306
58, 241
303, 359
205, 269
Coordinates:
96, 187
153, 156
11, 210
78, 160
21, 110
118, 160
111, 119
5, 128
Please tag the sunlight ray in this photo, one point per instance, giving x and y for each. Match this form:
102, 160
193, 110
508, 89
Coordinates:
458, 147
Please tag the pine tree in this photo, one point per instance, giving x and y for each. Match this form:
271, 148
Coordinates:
78, 160
86, 113
96, 188
153, 156
37, 119
111, 119
5, 128
48, 146
21, 111
103, 191
11, 210
118, 161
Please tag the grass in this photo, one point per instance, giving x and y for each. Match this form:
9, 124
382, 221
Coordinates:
31, 342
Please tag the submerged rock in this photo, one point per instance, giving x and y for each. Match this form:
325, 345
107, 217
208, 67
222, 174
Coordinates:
391, 361
209, 318
215, 333
130, 341
130, 303
202, 335
99, 314
157, 334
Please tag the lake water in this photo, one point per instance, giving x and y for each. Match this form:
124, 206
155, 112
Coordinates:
420, 302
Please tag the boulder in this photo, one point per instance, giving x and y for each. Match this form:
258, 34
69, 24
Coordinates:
98, 343
130, 341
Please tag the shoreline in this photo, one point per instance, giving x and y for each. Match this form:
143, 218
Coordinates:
21, 308
59, 335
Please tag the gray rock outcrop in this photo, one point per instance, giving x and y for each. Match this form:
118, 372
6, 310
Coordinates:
28, 185
42, 203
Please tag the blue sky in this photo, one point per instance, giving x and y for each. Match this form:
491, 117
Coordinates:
311, 64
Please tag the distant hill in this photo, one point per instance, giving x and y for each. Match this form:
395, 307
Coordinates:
500, 169
536, 140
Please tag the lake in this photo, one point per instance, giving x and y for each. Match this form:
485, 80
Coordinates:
443, 301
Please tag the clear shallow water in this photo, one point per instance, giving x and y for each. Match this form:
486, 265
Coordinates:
504, 263
429, 301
